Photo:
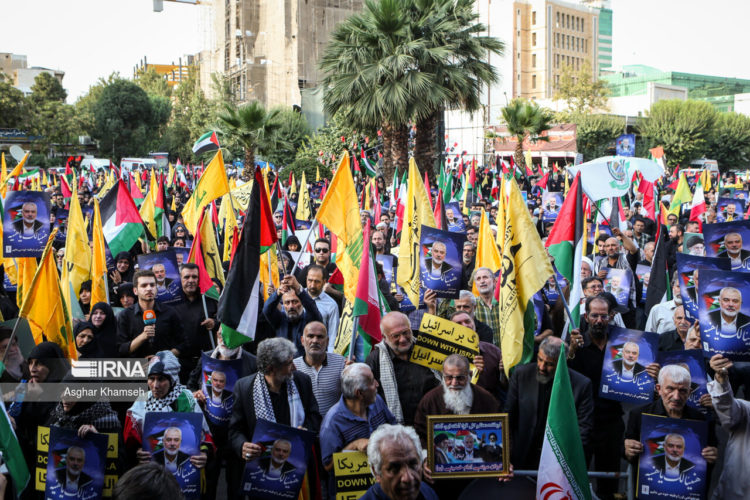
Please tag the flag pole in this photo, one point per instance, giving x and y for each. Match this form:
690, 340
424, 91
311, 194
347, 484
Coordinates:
564, 335
205, 312
307, 240
355, 327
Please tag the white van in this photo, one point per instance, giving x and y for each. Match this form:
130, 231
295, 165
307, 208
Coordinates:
97, 163
129, 164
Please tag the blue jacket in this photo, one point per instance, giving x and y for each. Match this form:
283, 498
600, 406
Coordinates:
376, 493
280, 322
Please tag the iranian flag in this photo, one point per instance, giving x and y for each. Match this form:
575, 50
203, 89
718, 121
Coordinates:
238, 304
368, 304
565, 244
698, 206
121, 221
207, 142
562, 466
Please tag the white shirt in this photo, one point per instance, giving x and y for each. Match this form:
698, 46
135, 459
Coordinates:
170, 465
627, 374
71, 485
330, 312
660, 319
671, 472
730, 327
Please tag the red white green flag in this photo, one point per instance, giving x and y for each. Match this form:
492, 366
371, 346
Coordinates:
369, 306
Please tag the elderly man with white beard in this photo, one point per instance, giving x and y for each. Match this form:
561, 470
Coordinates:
455, 396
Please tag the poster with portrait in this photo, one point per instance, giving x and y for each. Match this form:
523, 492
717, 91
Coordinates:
551, 203
689, 268
741, 194
724, 315
671, 465
75, 465
729, 240
172, 438
729, 209
26, 223
181, 255
693, 244
279, 471
468, 445
440, 262
692, 360
643, 274
455, 217
60, 223
316, 188
217, 384
618, 283
164, 266
624, 376
625, 145
387, 261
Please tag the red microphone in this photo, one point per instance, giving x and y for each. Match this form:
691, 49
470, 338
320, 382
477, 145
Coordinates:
149, 318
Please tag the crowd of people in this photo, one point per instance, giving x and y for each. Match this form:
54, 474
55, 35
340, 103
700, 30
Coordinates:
378, 403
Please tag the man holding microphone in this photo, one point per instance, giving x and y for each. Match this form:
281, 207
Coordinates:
148, 327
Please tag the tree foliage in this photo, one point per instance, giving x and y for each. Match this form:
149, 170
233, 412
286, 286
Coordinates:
683, 128
730, 141
47, 88
12, 106
595, 134
153, 83
125, 120
289, 135
581, 90
253, 128
525, 120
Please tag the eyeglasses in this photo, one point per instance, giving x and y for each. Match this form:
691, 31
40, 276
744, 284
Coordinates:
321, 250
457, 378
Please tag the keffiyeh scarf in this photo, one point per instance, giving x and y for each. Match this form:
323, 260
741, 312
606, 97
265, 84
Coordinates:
264, 406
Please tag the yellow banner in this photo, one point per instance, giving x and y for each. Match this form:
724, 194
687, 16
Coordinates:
438, 338
346, 326
352, 474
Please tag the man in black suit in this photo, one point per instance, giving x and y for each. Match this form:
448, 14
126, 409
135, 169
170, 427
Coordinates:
436, 267
628, 368
275, 381
28, 225
72, 480
734, 251
672, 465
276, 466
170, 456
529, 396
730, 323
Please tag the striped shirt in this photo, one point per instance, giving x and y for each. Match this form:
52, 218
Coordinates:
341, 426
326, 381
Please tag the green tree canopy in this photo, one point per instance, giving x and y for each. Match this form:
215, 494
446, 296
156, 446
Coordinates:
595, 134
581, 90
288, 137
730, 141
253, 128
682, 128
12, 106
47, 88
525, 120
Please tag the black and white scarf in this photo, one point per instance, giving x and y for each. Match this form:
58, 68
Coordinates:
164, 404
264, 406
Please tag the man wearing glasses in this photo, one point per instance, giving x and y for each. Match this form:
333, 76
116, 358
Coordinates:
322, 258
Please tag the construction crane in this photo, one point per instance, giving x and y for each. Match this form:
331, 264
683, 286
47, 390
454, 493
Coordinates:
159, 4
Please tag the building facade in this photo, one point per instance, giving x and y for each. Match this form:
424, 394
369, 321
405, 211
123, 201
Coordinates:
20, 75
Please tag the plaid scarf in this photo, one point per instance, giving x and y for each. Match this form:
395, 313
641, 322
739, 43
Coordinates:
164, 404
264, 406
388, 382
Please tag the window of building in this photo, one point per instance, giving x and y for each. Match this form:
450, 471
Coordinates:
533, 60
533, 17
533, 39
518, 56
533, 81
578, 44
567, 21
582, 21
558, 20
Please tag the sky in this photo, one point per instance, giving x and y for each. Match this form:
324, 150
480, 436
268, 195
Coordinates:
89, 39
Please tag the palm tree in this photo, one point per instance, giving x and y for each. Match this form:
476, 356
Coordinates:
251, 126
373, 76
457, 56
525, 120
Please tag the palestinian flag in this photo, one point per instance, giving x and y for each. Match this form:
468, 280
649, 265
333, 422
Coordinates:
368, 304
658, 284
287, 222
238, 305
565, 244
160, 211
336, 280
135, 190
369, 168
121, 221
207, 142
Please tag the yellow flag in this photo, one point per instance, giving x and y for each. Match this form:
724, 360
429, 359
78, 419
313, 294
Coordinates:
212, 184
340, 213
138, 182
15, 173
98, 260
25, 269
211, 253
526, 268
500, 218
227, 215
4, 171
270, 254
487, 253
681, 195
303, 201
148, 212
317, 174
76, 266
416, 214
292, 186
44, 306
170, 175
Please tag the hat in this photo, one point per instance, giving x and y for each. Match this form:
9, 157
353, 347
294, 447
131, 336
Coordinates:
165, 363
